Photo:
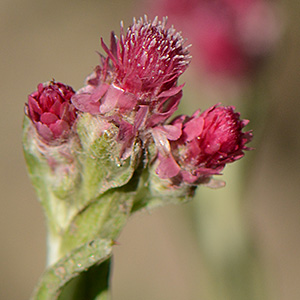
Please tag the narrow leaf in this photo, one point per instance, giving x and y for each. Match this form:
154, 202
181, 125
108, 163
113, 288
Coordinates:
70, 266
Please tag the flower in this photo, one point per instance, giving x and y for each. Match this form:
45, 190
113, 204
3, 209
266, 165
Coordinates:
135, 86
50, 110
139, 69
150, 58
208, 142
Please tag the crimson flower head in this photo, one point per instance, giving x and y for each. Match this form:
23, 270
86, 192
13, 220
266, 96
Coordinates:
149, 57
50, 110
208, 142
139, 68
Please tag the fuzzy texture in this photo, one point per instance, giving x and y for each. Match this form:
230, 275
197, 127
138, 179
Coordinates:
50, 110
208, 142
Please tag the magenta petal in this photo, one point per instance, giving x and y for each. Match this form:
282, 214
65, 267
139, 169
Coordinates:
110, 99
179, 119
58, 128
167, 167
212, 148
99, 92
34, 106
126, 136
141, 116
44, 131
48, 118
82, 102
161, 142
127, 101
148, 58
194, 148
46, 100
170, 104
173, 132
56, 107
109, 53
64, 111
40, 87
113, 44
171, 92
193, 128
126, 131
159, 117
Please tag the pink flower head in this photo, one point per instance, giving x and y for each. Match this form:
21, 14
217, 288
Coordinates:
208, 142
50, 110
140, 66
149, 58
135, 86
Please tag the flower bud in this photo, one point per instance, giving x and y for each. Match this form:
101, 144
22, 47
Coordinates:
208, 142
50, 110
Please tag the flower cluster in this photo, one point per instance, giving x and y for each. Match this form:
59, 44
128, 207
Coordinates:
110, 149
135, 89
135, 86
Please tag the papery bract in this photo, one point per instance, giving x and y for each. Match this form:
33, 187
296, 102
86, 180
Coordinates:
50, 110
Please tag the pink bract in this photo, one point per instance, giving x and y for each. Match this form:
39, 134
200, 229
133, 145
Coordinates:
51, 111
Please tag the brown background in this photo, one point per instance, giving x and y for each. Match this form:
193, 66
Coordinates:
157, 258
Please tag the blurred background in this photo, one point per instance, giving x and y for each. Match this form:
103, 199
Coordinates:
245, 53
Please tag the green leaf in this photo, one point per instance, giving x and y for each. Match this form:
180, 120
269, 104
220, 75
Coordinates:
77, 261
104, 218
